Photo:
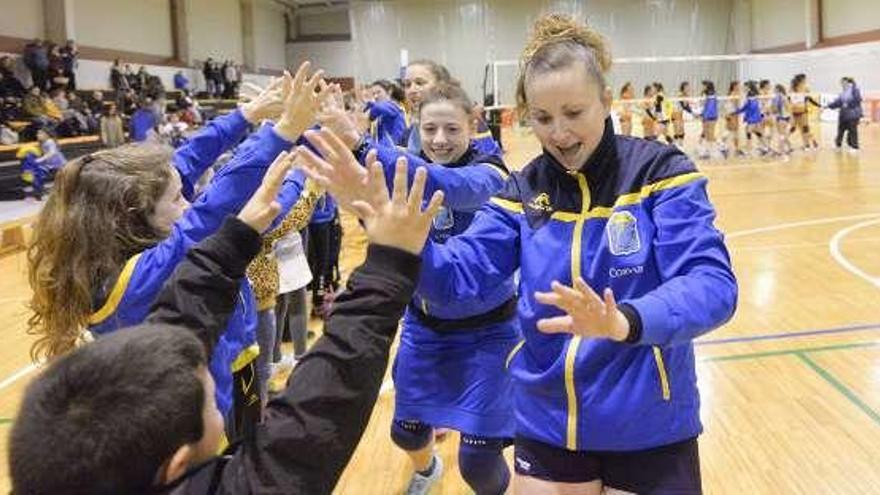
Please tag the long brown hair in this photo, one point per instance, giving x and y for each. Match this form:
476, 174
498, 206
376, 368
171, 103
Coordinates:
95, 219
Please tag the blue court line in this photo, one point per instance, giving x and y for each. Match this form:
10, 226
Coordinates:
789, 335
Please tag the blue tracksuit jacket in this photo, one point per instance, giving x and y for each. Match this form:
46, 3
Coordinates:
636, 218
128, 298
467, 185
751, 111
389, 122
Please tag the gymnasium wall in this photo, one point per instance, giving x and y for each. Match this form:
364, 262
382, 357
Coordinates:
824, 67
142, 27
842, 17
215, 30
466, 35
22, 19
778, 23
335, 57
270, 36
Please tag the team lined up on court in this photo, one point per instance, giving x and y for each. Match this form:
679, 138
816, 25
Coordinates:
766, 114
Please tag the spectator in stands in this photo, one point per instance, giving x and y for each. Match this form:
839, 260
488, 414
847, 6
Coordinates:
112, 134
230, 79
9, 84
36, 59
7, 135
59, 96
79, 110
173, 131
69, 61
11, 109
95, 103
181, 83
118, 81
131, 77
143, 122
142, 79
219, 82
208, 72
40, 109
128, 102
52, 158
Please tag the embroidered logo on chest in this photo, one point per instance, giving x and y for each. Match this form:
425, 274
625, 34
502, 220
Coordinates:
541, 203
623, 234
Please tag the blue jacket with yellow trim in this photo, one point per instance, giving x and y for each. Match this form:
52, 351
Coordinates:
141, 279
635, 218
389, 122
466, 184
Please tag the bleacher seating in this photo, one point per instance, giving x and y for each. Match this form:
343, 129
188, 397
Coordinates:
11, 185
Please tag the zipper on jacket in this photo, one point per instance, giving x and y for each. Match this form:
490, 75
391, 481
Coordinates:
661, 372
575, 342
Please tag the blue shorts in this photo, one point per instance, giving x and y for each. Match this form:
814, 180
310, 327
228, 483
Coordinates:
456, 379
669, 469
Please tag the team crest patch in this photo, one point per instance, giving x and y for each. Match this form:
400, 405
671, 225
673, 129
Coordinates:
444, 219
541, 203
623, 234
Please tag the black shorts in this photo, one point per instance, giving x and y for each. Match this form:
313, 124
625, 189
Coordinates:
669, 469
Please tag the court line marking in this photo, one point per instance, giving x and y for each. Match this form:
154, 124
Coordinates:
788, 335
837, 384
837, 254
803, 223
17, 375
788, 352
5, 421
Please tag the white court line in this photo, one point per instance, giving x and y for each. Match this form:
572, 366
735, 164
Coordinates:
834, 247
805, 223
17, 375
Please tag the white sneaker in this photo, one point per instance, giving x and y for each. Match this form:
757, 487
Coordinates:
420, 484
853, 151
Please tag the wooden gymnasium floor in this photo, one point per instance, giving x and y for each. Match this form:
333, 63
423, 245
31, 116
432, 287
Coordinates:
790, 387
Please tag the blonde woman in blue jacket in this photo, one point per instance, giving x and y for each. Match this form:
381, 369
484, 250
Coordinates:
621, 267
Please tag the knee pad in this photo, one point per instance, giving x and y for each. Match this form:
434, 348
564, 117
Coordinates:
410, 435
756, 133
806, 129
748, 135
482, 465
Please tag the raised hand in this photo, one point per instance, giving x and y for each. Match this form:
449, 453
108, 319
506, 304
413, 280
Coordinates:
261, 209
334, 117
587, 315
398, 221
336, 170
259, 103
301, 102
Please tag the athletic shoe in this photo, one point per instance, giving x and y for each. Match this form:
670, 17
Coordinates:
421, 484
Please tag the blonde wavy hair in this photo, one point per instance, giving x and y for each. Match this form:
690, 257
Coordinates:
556, 42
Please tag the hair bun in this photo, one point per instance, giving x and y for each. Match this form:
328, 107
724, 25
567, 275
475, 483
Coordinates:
555, 28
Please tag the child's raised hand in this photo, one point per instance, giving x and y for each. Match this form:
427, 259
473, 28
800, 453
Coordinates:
259, 103
262, 208
303, 98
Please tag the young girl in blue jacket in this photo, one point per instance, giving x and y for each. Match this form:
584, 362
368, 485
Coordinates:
119, 221
421, 76
450, 367
620, 268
